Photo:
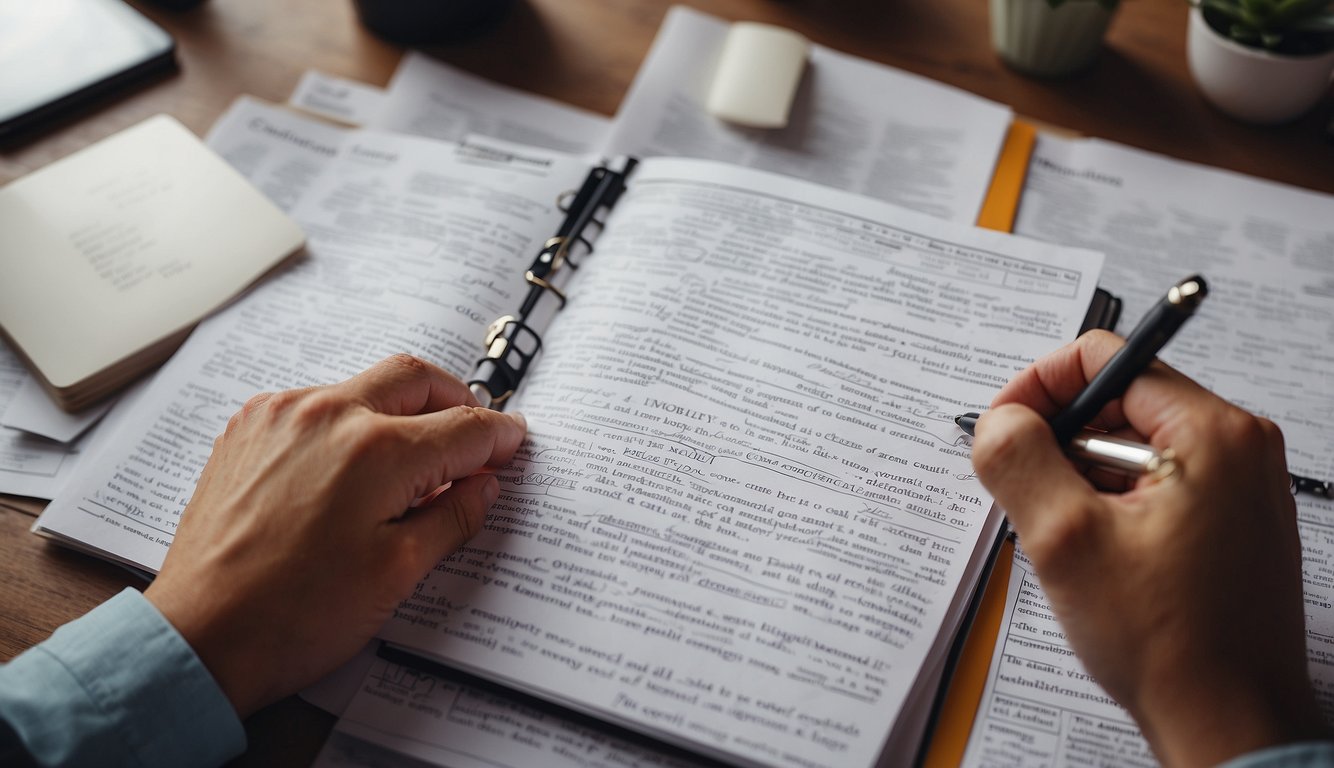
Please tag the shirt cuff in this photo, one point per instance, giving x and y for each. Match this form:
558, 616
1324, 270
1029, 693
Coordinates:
119, 686
1307, 754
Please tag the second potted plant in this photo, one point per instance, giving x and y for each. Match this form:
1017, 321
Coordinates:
1049, 37
1263, 61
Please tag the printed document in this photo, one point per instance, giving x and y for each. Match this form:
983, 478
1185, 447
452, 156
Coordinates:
855, 125
401, 715
744, 509
29, 465
744, 521
347, 101
430, 98
396, 263
1040, 707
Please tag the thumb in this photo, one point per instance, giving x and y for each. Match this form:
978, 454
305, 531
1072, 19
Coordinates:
1049, 502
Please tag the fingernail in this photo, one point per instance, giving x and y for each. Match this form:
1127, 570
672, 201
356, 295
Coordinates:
490, 490
518, 419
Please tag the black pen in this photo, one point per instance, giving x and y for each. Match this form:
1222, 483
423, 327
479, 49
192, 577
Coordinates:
1103, 450
1155, 329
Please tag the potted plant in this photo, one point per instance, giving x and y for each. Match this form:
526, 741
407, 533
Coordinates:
1049, 37
1264, 61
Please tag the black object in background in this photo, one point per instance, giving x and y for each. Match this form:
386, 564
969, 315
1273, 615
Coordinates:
57, 53
430, 21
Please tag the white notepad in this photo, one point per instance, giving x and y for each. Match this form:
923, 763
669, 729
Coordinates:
109, 256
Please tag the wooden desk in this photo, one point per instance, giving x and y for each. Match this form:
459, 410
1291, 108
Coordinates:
586, 52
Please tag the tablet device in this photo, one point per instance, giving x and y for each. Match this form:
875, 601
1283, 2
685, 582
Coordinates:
56, 53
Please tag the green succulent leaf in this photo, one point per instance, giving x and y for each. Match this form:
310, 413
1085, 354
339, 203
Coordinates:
1286, 26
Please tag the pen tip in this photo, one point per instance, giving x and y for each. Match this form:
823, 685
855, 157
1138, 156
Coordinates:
1189, 292
967, 421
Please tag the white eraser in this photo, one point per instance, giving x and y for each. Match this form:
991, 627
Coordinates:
757, 75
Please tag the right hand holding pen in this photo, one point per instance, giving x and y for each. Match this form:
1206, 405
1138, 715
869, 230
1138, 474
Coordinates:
1182, 595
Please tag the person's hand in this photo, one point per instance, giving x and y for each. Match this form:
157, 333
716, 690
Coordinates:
299, 541
1183, 595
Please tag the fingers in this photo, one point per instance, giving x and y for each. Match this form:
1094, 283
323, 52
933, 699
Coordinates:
1159, 396
458, 442
440, 526
1051, 505
404, 385
1054, 380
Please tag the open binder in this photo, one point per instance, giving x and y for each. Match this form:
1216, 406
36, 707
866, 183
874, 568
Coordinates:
512, 348
514, 341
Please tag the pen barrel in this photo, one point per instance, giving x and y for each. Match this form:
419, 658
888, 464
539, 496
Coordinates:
1115, 454
1111, 382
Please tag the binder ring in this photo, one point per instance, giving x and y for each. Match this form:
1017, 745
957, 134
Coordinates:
497, 327
562, 245
542, 283
579, 239
563, 200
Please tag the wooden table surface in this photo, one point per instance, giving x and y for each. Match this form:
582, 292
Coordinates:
585, 52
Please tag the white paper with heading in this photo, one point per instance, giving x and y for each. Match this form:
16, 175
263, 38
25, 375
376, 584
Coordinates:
854, 124
347, 101
430, 98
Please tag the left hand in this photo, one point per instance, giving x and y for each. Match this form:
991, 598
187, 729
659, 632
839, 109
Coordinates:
300, 541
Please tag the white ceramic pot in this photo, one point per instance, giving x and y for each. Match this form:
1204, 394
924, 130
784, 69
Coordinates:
1251, 84
1037, 39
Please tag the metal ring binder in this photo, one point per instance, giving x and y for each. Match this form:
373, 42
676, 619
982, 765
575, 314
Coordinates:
542, 283
512, 342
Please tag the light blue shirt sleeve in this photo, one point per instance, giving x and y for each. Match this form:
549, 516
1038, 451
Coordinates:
118, 687
1308, 754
